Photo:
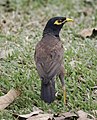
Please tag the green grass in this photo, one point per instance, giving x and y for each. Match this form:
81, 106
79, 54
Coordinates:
22, 30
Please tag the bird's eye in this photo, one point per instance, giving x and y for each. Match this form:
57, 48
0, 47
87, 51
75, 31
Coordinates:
58, 22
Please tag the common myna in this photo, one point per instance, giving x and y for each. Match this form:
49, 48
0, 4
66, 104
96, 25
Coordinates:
49, 53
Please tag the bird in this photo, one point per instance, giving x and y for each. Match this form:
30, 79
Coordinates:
49, 57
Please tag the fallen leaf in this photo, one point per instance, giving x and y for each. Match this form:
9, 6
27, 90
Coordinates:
26, 116
36, 115
85, 116
41, 117
82, 115
88, 33
70, 116
7, 99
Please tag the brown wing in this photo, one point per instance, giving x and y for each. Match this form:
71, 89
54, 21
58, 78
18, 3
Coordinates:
48, 57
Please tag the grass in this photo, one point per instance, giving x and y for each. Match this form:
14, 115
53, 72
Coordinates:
21, 27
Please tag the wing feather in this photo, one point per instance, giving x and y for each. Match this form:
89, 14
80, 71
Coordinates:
48, 58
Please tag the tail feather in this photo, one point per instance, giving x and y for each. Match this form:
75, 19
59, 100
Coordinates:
48, 91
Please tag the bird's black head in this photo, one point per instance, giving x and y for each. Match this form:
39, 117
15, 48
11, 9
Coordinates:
55, 24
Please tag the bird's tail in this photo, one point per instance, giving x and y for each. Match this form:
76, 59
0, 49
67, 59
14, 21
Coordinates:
48, 91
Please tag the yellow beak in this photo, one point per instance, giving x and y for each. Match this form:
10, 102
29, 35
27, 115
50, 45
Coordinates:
69, 20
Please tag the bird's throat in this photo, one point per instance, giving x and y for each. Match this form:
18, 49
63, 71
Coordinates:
51, 31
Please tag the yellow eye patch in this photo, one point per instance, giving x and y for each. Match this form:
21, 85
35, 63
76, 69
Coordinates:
58, 22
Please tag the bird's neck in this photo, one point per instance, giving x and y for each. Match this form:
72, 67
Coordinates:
51, 31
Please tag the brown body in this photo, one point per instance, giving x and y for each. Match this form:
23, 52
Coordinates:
49, 54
